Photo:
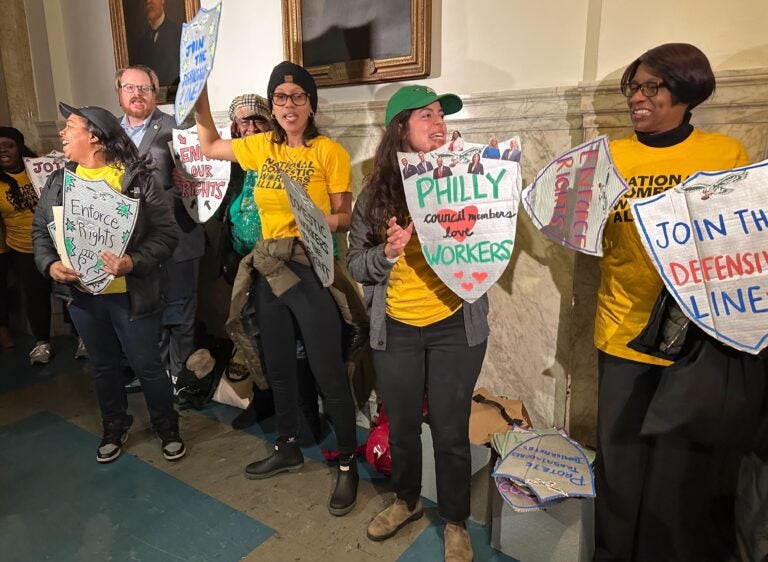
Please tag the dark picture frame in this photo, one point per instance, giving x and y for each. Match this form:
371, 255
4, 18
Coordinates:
343, 42
129, 32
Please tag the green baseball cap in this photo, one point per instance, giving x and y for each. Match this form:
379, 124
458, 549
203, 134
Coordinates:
415, 96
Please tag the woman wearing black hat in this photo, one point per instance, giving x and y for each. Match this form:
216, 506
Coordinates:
17, 205
322, 166
125, 317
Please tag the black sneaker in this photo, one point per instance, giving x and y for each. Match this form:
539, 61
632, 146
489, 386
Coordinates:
115, 436
173, 446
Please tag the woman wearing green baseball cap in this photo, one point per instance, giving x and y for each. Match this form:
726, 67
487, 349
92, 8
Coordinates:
425, 338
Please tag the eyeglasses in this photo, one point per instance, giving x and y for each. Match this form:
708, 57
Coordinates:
648, 89
257, 121
299, 98
131, 88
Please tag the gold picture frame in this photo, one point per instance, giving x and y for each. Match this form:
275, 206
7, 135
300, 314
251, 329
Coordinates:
361, 50
129, 29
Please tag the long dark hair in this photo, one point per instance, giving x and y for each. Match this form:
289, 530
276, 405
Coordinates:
118, 148
387, 196
279, 136
15, 196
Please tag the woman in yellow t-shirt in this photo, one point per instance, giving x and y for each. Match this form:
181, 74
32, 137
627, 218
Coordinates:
425, 338
17, 206
322, 167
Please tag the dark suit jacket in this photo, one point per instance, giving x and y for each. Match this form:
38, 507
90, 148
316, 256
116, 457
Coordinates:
445, 169
511, 154
161, 54
477, 170
423, 167
409, 171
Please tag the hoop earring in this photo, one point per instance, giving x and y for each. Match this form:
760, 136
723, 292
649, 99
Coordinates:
311, 114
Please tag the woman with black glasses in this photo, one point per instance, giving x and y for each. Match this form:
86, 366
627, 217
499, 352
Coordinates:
655, 495
322, 167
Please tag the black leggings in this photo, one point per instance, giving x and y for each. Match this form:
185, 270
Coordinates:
5, 265
317, 317
37, 294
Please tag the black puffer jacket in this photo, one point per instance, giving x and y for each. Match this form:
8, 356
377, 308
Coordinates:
152, 242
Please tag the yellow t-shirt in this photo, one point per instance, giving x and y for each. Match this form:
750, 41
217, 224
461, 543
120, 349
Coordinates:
114, 177
415, 294
322, 168
16, 213
629, 284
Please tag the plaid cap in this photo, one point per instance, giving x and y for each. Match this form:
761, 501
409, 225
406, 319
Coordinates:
253, 103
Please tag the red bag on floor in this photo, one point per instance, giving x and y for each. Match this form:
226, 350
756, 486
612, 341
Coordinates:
377, 447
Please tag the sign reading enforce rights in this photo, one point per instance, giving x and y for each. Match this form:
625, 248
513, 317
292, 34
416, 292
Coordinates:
95, 218
464, 208
570, 199
708, 238
40, 167
314, 229
198, 46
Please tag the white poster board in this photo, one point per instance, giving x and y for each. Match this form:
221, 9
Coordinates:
39, 168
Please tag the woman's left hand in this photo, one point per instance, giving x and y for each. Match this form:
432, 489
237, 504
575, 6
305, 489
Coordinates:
116, 266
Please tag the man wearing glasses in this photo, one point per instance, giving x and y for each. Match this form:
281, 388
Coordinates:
150, 130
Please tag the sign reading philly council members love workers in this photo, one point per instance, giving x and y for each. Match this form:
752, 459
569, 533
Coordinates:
39, 168
197, 48
570, 199
465, 221
708, 238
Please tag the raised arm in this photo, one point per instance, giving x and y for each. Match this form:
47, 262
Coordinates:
212, 144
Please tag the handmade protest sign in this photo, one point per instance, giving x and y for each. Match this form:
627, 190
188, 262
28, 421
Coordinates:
198, 46
465, 215
708, 238
40, 167
205, 181
570, 199
314, 229
95, 218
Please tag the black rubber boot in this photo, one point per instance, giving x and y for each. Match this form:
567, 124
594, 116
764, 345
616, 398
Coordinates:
344, 495
287, 457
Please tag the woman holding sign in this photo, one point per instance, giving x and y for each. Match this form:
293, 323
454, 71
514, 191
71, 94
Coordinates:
655, 494
425, 338
289, 292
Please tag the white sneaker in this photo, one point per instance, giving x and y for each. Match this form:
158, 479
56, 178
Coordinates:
81, 352
41, 353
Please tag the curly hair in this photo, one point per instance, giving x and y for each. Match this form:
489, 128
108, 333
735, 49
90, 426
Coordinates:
119, 149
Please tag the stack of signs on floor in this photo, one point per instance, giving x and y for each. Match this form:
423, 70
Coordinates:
464, 208
538, 469
314, 229
95, 218
708, 238
570, 199
204, 181
40, 167
197, 48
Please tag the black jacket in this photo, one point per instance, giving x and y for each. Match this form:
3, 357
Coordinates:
151, 243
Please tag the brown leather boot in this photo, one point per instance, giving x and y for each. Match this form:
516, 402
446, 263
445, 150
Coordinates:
457, 545
388, 522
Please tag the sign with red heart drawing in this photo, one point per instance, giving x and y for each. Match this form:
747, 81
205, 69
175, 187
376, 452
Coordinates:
465, 214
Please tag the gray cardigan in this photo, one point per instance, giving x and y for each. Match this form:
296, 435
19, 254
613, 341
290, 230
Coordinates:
369, 266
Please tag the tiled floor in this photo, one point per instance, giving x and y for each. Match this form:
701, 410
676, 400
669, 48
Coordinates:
57, 503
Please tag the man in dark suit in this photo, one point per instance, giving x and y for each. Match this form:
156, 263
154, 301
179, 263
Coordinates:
158, 47
408, 169
512, 153
151, 130
423, 166
441, 171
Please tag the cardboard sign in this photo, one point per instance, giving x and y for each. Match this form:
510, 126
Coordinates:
570, 199
708, 238
38, 169
95, 218
205, 181
314, 229
198, 46
465, 215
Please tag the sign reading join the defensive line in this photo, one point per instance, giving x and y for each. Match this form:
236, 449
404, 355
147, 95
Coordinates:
204, 181
464, 208
570, 199
40, 167
96, 218
314, 229
708, 238
198, 46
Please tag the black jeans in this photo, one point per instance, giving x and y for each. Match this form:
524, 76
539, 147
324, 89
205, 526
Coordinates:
103, 321
435, 360
317, 316
37, 294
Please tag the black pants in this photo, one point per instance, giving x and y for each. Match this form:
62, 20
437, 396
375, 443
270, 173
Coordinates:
37, 294
658, 498
5, 265
317, 317
435, 360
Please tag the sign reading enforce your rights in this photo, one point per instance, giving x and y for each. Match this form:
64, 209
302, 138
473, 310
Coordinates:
708, 238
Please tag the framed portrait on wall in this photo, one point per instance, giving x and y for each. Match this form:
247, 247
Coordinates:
344, 42
149, 32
